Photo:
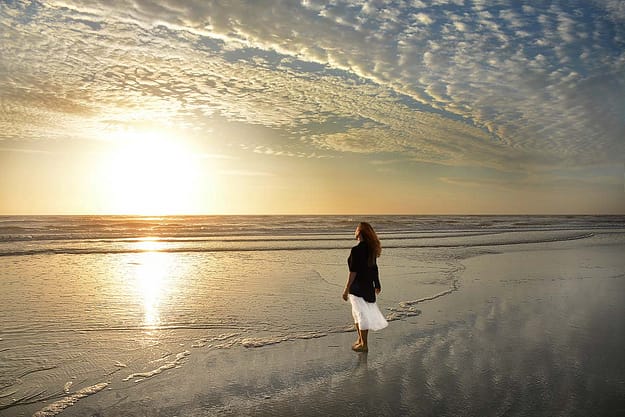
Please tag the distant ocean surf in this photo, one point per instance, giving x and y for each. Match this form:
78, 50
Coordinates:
21, 236
93, 302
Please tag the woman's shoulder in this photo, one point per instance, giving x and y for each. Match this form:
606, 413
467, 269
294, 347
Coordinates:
361, 245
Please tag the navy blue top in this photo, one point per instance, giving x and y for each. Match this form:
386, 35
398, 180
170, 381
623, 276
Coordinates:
367, 277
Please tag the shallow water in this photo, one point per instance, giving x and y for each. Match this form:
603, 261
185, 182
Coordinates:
98, 300
542, 337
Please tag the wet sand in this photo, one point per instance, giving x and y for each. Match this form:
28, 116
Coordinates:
533, 330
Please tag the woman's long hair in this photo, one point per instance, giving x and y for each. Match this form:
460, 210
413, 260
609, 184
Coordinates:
368, 235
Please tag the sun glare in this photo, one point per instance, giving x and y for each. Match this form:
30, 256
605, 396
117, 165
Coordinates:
152, 280
152, 175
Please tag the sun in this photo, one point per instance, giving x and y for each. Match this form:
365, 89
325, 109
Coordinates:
149, 174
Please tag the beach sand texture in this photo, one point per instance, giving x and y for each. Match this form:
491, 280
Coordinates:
526, 322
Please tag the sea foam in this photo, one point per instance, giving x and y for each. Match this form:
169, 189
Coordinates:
60, 405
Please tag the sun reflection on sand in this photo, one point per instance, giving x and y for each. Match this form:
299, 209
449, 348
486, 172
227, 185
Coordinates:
152, 281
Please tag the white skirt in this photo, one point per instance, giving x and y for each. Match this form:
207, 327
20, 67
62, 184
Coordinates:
367, 315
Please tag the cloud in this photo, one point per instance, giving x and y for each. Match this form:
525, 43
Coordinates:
241, 173
424, 18
264, 150
591, 178
26, 151
503, 85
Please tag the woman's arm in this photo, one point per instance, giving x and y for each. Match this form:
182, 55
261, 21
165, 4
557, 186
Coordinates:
376, 281
350, 280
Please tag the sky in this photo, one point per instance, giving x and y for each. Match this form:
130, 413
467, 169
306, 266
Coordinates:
312, 107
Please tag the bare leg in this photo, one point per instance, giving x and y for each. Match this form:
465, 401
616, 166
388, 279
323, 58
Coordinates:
359, 341
363, 338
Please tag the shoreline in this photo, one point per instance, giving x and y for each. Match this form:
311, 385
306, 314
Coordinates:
493, 347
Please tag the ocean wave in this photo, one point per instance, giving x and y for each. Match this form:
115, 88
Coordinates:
35, 228
456, 241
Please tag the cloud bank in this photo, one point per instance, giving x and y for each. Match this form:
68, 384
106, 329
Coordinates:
495, 84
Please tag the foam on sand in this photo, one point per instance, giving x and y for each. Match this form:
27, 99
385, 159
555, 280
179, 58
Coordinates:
60, 405
177, 362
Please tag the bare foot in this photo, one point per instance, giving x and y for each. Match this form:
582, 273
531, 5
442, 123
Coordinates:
360, 348
356, 344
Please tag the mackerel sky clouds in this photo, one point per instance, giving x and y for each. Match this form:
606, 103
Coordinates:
463, 106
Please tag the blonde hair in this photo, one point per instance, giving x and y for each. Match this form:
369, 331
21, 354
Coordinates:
368, 235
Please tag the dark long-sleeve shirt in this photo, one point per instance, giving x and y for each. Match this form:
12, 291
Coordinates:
367, 277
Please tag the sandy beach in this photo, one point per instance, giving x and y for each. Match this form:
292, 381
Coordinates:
531, 330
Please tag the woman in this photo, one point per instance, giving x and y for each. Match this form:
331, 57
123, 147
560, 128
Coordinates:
363, 284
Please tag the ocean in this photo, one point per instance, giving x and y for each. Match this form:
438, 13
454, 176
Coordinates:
101, 302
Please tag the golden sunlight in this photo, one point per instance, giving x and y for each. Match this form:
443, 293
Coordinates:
149, 174
151, 282
149, 244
